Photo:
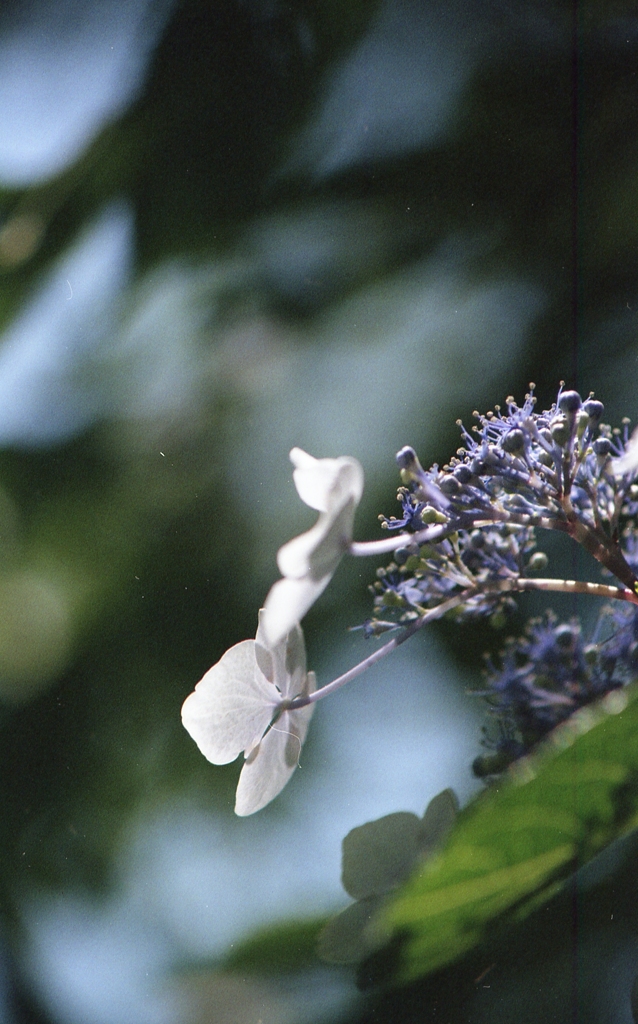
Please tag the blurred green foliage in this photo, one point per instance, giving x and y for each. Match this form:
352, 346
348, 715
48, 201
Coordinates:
136, 551
376, 858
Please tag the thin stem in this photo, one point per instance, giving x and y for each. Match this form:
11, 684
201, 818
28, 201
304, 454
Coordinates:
603, 550
378, 655
517, 584
433, 534
593, 540
366, 548
566, 587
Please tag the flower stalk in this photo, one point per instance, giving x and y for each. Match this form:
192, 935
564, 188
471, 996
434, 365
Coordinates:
520, 585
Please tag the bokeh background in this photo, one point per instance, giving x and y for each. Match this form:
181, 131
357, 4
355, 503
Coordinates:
228, 227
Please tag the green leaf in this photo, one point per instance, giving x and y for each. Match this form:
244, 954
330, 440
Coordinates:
511, 847
379, 855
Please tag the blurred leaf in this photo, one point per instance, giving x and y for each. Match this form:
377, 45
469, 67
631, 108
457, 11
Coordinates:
551, 814
227, 86
376, 858
378, 855
347, 938
284, 948
438, 820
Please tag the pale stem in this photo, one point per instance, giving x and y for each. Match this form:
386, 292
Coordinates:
432, 534
565, 587
518, 584
365, 548
381, 652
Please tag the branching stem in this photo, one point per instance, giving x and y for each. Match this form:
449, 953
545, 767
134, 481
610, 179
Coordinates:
378, 655
594, 540
516, 584
433, 534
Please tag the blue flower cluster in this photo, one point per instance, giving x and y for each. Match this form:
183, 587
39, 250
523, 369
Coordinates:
468, 561
468, 529
551, 467
544, 676
472, 522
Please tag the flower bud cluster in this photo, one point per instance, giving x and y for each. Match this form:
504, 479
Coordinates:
421, 577
541, 678
473, 520
553, 465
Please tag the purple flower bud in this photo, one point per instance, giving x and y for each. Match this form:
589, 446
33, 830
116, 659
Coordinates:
594, 409
569, 402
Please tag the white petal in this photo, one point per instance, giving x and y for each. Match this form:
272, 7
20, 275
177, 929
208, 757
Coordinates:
295, 680
307, 562
324, 484
264, 654
348, 483
284, 663
269, 767
287, 603
314, 478
231, 707
627, 463
296, 558
318, 551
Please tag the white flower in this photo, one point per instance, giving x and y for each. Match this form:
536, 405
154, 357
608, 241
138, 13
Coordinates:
233, 709
628, 462
333, 487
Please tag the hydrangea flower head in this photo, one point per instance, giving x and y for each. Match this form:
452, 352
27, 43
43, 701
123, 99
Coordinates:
333, 487
240, 705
